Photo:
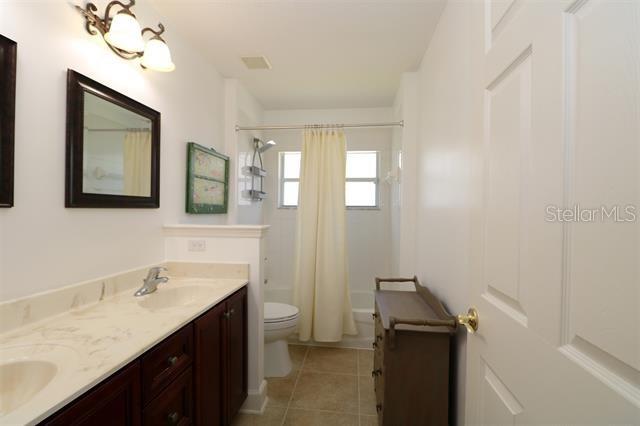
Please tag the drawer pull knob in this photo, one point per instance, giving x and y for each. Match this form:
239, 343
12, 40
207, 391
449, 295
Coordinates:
374, 344
227, 315
379, 337
173, 418
376, 372
232, 311
378, 407
172, 360
374, 315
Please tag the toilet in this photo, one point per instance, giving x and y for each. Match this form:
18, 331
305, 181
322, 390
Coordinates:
280, 322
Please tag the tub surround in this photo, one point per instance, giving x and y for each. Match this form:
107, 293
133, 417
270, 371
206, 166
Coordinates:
90, 330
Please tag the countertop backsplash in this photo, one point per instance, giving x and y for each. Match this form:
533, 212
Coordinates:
30, 309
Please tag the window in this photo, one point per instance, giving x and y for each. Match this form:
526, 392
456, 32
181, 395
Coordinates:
362, 179
289, 178
361, 186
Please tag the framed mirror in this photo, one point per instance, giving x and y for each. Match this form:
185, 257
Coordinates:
113, 148
8, 56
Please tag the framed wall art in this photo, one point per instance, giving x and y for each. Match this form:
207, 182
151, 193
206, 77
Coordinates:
207, 180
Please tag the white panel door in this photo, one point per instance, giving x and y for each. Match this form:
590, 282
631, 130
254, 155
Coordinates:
559, 290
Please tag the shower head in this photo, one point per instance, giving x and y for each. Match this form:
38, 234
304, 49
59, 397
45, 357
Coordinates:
265, 145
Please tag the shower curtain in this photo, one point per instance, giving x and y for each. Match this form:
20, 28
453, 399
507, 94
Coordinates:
137, 163
321, 289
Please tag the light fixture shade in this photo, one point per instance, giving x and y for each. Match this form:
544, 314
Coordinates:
157, 56
125, 33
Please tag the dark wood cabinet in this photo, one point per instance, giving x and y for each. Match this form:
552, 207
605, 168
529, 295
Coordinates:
209, 367
221, 361
174, 406
411, 357
236, 368
198, 375
115, 402
162, 364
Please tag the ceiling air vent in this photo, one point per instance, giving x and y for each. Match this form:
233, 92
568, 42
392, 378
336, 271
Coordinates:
256, 62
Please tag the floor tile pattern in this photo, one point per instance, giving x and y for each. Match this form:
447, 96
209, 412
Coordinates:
327, 386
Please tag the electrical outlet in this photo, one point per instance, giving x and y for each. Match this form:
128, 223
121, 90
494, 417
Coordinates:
197, 245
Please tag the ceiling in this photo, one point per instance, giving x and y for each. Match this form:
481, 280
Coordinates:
324, 53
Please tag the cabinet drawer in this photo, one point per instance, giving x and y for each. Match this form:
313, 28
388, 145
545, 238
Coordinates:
174, 405
166, 361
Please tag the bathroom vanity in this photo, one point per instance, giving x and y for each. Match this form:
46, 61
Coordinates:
94, 354
195, 376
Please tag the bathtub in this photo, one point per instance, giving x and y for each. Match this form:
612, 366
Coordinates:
362, 306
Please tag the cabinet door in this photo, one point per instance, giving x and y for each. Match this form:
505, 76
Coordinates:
208, 374
236, 352
114, 402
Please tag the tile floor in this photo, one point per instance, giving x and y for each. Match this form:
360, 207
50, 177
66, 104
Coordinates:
327, 386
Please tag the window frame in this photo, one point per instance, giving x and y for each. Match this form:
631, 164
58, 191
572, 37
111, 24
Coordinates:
282, 180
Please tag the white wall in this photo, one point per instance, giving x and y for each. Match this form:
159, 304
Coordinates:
449, 147
242, 109
43, 245
404, 187
368, 231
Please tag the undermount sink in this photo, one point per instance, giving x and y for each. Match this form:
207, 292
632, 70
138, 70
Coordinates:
27, 370
165, 298
21, 380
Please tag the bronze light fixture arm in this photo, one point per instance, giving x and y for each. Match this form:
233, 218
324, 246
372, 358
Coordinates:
125, 7
157, 34
94, 24
93, 21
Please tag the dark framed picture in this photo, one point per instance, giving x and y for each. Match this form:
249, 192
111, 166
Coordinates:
207, 180
8, 56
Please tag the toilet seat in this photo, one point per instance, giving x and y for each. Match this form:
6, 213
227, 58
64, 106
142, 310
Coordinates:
279, 313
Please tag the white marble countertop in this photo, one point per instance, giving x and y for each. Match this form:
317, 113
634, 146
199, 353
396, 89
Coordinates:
90, 343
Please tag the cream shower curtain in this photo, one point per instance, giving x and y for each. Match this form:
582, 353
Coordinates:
321, 289
137, 163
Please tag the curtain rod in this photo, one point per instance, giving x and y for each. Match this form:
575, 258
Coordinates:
304, 126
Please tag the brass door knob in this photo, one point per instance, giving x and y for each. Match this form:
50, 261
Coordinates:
470, 321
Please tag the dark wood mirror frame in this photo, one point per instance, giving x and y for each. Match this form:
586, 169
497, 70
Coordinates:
77, 85
8, 57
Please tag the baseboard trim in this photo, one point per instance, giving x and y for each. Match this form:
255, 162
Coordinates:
256, 401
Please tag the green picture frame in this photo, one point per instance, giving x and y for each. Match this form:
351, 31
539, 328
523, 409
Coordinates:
207, 180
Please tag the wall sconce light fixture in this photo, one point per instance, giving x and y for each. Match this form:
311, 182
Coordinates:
124, 37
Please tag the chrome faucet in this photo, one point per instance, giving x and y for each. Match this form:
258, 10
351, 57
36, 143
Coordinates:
151, 282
